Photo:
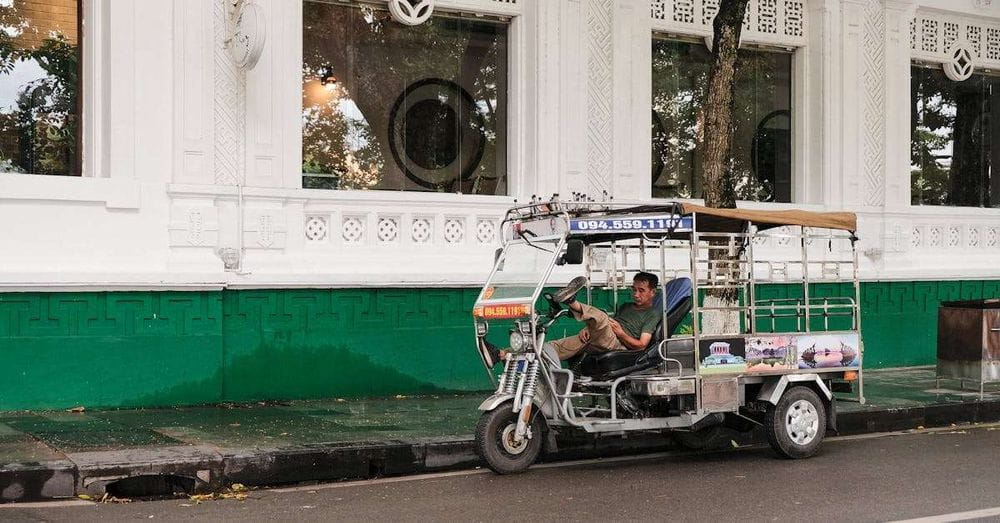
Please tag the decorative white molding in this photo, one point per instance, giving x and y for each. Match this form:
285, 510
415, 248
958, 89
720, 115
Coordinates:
961, 63
246, 33
317, 228
230, 105
600, 94
775, 22
874, 112
933, 35
411, 12
193, 224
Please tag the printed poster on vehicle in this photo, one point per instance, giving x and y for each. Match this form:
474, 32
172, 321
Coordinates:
725, 356
828, 351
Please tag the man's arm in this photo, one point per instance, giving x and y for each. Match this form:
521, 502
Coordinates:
628, 341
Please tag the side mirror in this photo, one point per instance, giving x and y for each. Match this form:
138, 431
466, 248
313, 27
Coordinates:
573, 254
496, 257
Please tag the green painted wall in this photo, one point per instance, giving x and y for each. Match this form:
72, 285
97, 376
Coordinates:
118, 349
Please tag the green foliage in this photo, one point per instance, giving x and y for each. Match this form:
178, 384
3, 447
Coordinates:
45, 118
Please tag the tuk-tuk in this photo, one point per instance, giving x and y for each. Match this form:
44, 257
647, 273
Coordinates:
759, 326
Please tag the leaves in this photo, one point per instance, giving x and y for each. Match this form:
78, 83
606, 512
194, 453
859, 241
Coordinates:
237, 491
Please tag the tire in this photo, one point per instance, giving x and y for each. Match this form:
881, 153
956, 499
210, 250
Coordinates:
706, 438
490, 446
797, 424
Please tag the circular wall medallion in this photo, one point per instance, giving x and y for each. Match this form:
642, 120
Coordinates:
960, 63
436, 133
246, 43
411, 12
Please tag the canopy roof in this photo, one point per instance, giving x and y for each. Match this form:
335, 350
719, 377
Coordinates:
717, 218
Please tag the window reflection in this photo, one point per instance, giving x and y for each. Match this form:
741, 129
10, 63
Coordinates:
39, 86
392, 107
952, 132
761, 148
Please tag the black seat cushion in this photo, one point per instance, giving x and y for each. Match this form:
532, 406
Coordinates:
605, 364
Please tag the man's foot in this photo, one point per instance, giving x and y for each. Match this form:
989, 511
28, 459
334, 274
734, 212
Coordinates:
493, 353
567, 294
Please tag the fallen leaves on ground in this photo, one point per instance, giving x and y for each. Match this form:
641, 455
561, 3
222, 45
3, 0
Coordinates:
236, 491
106, 498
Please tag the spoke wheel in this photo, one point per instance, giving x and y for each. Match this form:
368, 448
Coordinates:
496, 445
796, 425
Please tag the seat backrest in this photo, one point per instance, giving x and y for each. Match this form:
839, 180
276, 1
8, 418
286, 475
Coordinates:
674, 292
677, 293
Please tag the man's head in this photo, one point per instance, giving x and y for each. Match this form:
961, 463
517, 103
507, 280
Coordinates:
644, 289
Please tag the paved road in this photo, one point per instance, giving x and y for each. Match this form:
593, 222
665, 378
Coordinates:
861, 479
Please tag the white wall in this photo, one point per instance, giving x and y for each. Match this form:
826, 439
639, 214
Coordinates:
186, 155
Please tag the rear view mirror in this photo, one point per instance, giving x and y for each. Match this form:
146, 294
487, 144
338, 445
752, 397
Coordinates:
496, 257
573, 254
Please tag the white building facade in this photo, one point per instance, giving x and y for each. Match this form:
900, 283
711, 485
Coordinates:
198, 175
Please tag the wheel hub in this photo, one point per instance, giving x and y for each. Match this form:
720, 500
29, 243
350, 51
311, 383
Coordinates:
801, 422
511, 445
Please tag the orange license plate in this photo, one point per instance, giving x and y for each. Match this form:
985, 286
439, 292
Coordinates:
500, 312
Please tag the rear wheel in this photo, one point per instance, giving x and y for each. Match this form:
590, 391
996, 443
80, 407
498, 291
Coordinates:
797, 424
495, 440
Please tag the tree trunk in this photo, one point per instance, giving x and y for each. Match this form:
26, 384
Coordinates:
715, 147
717, 139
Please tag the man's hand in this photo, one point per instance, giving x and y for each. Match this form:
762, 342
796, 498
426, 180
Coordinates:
585, 335
617, 329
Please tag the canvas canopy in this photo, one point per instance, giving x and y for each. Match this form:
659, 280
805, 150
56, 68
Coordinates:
710, 218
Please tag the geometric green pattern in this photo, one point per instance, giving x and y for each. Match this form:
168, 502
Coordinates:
133, 349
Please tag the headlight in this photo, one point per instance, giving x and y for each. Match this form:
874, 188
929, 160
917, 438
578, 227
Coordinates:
518, 341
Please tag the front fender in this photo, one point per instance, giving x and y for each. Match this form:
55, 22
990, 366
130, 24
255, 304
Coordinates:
494, 401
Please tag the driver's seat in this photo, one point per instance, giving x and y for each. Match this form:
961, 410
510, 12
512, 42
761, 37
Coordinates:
676, 295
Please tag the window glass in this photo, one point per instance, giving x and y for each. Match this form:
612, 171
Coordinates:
761, 163
39, 86
392, 107
952, 133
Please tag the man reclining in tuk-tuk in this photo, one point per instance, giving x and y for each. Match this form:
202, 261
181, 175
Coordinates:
631, 329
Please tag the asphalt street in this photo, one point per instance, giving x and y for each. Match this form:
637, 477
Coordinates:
867, 478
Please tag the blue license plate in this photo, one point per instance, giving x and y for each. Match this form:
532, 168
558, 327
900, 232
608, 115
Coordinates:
665, 223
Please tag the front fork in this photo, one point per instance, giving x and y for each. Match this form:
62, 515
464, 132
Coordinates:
520, 379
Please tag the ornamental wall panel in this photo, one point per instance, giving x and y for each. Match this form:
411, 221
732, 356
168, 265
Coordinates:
781, 22
933, 34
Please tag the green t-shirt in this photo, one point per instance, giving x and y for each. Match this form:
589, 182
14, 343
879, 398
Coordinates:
636, 321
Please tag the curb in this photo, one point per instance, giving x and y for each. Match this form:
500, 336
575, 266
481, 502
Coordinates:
202, 469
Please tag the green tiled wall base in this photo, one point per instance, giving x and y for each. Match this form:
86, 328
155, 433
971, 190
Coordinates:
130, 349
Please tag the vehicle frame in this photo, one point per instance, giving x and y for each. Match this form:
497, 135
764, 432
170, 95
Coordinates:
727, 250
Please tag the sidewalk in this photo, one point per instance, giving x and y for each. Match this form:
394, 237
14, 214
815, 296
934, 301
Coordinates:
61, 454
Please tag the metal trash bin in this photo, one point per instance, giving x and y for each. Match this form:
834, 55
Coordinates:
968, 342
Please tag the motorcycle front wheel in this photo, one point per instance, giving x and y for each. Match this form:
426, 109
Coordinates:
495, 440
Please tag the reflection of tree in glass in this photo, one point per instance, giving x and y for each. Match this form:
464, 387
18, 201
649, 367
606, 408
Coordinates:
680, 75
932, 118
374, 59
949, 139
44, 123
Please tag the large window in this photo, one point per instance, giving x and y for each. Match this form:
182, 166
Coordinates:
952, 136
762, 143
392, 107
40, 86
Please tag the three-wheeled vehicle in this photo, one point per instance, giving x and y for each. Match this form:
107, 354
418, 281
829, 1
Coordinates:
760, 326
